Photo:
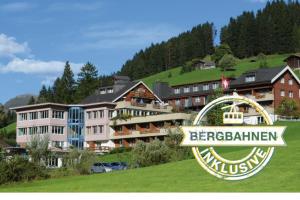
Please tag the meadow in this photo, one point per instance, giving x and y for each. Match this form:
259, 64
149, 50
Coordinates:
282, 174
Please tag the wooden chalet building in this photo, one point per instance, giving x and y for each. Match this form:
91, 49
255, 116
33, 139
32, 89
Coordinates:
267, 86
293, 61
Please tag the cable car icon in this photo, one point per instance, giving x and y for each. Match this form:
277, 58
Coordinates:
233, 116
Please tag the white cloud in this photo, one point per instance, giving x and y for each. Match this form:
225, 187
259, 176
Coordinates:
259, 1
125, 35
32, 66
16, 7
10, 47
49, 80
75, 6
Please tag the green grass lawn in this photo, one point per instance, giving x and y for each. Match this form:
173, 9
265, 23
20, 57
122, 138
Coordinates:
282, 174
11, 128
211, 74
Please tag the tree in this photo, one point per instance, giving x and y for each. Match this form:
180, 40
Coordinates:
220, 51
31, 101
87, 82
38, 148
215, 115
288, 107
43, 95
67, 85
262, 59
227, 62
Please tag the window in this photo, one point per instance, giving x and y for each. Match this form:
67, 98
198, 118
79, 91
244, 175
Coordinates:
186, 102
95, 130
177, 90
282, 93
44, 114
110, 90
22, 116
101, 129
195, 88
206, 87
58, 114
89, 115
43, 129
101, 112
33, 115
250, 78
22, 131
58, 130
88, 130
291, 95
291, 82
260, 120
282, 80
33, 130
103, 91
215, 85
197, 99
110, 113
177, 102
186, 90
95, 114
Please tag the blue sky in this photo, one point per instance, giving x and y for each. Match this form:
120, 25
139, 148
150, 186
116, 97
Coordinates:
37, 37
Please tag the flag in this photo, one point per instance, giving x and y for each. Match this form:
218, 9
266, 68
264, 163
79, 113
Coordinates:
225, 83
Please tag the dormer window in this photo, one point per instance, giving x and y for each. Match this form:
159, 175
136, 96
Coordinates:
250, 78
186, 90
176, 91
110, 90
102, 91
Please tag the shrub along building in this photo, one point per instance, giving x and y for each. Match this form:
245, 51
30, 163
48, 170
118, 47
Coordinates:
267, 86
87, 125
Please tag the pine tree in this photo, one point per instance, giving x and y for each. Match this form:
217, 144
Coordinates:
67, 84
31, 101
42, 98
87, 81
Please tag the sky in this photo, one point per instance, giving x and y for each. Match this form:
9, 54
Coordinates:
38, 37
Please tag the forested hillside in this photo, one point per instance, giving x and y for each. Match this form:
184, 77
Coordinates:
274, 29
197, 42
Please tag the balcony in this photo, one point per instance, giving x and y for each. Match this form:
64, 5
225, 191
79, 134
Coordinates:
261, 97
143, 106
142, 133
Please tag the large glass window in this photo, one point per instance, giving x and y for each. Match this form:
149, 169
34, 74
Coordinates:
56, 114
44, 114
33, 115
58, 130
22, 116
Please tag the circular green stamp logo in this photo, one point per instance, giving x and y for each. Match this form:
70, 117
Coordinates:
260, 139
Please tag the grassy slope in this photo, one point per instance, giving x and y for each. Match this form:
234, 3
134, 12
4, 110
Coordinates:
211, 74
11, 128
281, 174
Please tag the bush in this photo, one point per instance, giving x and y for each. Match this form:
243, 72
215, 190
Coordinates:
153, 153
120, 150
20, 169
288, 107
86, 160
227, 62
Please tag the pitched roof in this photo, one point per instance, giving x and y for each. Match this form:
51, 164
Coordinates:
292, 55
108, 97
262, 75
